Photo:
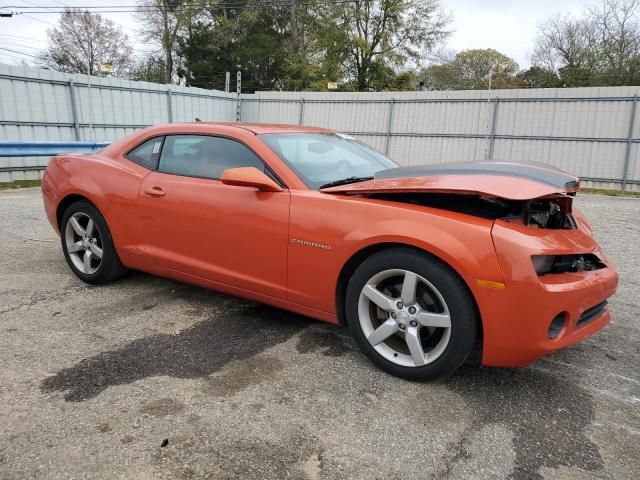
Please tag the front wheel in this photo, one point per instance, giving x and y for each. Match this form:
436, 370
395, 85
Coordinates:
411, 314
88, 246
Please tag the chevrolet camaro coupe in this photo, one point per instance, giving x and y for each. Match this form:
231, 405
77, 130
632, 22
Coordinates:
427, 265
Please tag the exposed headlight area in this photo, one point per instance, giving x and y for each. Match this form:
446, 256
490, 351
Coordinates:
553, 213
549, 264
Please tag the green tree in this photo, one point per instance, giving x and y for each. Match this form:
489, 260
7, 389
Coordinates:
254, 40
366, 37
473, 69
362, 45
150, 70
539, 77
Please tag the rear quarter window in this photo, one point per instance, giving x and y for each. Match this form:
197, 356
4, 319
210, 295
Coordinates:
147, 154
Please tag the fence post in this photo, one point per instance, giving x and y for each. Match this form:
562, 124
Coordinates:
301, 114
238, 89
627, 154
389, 126
74, 108
492, 140
169, 105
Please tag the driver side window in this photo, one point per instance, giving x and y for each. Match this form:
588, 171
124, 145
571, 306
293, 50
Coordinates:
205, 156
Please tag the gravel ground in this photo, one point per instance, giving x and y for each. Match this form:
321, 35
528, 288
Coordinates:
149, 378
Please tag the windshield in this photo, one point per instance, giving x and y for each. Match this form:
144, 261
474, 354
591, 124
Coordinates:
320, 159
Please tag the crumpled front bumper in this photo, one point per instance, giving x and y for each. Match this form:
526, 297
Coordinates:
516, 319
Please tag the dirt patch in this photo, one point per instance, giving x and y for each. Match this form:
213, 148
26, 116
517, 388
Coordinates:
241, 375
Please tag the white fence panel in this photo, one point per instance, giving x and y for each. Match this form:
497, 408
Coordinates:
583, 130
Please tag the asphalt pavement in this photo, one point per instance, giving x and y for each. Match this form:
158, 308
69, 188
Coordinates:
149, 378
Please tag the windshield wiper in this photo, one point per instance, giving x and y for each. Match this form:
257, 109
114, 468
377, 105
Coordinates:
345, 181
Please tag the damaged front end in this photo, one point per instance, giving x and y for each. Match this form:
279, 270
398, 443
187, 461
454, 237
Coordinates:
553, 212
556, 279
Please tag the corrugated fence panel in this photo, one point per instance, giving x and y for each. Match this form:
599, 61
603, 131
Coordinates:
582, 130
37, 104
367, 117
279, 112
634, 164
375, 141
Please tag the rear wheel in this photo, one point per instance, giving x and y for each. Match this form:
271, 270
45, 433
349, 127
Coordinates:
88, 246
411, 314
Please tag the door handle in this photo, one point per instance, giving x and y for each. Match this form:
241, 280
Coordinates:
155, 192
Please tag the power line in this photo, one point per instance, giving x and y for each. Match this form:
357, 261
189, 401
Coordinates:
232, 4
137, 8
14, 44
38, 20
24, 39
18, 52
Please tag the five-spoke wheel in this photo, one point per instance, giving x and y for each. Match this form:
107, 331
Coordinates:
404, 317
84, 243
411, 314
87, 244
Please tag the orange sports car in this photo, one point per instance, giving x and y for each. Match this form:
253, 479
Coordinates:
425, 264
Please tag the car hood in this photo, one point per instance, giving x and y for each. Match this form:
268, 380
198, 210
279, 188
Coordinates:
501, 179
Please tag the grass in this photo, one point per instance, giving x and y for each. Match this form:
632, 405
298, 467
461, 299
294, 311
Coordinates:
611, 193
20, 184
598, 191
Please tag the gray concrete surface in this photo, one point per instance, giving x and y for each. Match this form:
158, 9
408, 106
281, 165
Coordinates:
93, 381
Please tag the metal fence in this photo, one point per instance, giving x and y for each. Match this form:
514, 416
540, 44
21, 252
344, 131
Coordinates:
43, 105
591, 132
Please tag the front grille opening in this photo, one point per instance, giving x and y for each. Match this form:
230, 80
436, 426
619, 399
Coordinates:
557, 325
591, 314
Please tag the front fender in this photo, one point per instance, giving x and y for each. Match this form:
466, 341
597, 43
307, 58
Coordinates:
349, 225
466, 248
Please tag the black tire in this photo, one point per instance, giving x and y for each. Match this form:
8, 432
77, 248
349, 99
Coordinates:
110, 267
461, 307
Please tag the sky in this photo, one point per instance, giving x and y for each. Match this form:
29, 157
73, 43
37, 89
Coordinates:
508, 26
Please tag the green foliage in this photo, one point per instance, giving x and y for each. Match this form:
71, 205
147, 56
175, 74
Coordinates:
20, 184
364, 45
368, 39
472, 69
254, 41
150, 70
538, 77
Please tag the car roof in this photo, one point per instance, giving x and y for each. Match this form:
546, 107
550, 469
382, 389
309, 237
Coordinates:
260, 128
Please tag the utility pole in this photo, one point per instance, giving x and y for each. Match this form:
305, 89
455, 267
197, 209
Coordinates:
294, 25
227, 82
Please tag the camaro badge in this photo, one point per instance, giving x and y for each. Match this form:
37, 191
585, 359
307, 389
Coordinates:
308, 243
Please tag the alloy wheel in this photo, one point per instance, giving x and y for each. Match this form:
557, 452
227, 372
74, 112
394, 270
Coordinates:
84, 243
404, 318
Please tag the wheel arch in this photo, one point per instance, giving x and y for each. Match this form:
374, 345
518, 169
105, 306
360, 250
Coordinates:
361, 255
67, 201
